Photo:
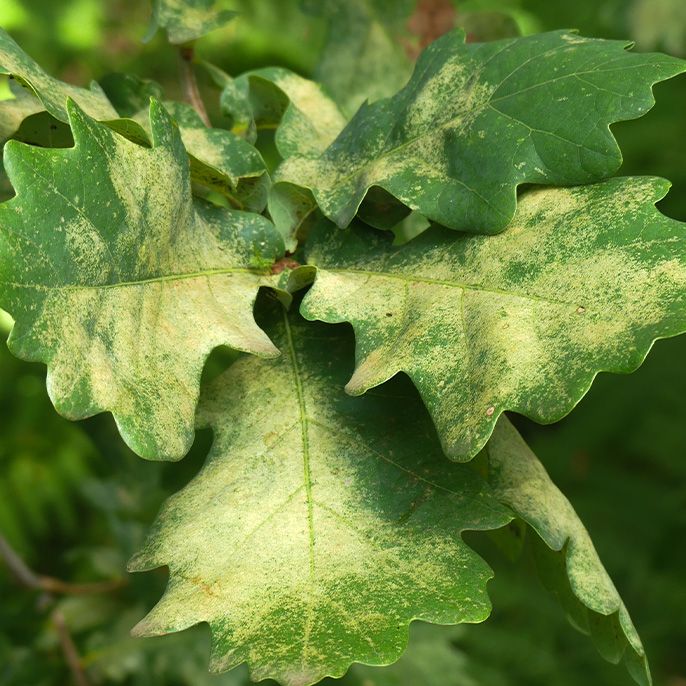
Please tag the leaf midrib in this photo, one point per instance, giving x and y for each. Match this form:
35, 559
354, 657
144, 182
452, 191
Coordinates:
454, 284
140, 282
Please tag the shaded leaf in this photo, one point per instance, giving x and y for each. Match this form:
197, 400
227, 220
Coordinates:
568, 561
52, 92
305, 121
128, 93
364, 56
13, 111
476, 120
320, 525
584, 280
305, 118
187, 20
121, 284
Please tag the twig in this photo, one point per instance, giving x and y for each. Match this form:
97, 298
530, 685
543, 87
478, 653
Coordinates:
27, 577
190, 85
71, 654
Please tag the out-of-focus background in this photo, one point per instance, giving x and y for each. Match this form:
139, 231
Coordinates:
74, 503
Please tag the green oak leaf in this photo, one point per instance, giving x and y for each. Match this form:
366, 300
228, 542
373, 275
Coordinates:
321, 525
187, 20
50, 91
219, 159
305, 121
364, 57
123, 285
569, 563
305, 118
478, 119
584, 280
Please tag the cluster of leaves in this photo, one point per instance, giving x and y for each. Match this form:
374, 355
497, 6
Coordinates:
322, 524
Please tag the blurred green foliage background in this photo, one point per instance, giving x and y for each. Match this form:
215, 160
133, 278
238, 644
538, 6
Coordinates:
75, 503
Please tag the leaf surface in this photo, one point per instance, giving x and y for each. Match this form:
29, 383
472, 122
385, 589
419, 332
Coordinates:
52, 92
305, 121
123, 285
584, 280
187, 20
568, 561
478, 119
320, 525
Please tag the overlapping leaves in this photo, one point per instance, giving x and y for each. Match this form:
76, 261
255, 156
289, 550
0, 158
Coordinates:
477, 120
322, 525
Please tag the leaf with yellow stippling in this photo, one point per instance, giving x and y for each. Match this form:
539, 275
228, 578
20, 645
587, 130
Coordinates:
219, 159
305, 121
584, 280
478, 119
50, 91
321, 525
568, 562
122, 284
187, 20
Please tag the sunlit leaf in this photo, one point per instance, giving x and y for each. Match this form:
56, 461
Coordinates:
584, 280
122, 284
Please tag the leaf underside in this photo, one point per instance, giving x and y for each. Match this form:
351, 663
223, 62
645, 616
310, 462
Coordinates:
121, 283
476, 120
584, 280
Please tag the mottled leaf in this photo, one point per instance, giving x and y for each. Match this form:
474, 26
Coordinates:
220, 160
321, 525
584, 280
305, 121
187, 20
365, 53
568, 561
121, 284
50, 91
476, 120
305, 118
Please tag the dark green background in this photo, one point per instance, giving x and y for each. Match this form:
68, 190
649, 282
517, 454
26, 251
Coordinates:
75, 503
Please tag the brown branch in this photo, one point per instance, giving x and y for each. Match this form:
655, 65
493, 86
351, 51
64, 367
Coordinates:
71, 654
189, 83
37, 582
